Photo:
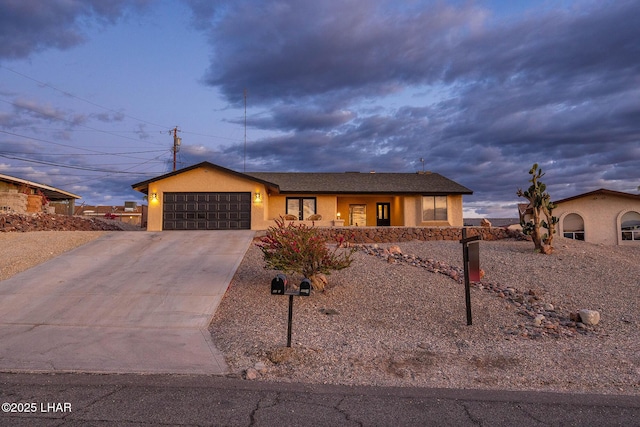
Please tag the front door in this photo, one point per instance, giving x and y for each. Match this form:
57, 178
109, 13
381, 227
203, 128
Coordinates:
382, 214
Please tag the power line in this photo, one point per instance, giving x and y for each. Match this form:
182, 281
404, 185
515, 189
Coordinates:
108, 175
77, 124
68, 166
92, 154
69, 94
79, 98
62, 145
211, 136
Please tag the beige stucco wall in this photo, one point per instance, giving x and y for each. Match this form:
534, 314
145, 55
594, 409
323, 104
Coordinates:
205, 180
601, 214
413, 213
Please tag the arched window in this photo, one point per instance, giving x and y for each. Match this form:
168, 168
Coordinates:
630, 226
573, 227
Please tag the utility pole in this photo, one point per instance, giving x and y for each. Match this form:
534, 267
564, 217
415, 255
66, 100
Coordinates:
176, 145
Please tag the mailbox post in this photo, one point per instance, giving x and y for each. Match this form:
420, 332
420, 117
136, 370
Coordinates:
279, 286
471, 261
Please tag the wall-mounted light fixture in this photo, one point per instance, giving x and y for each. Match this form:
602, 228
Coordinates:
154, 197
258, 197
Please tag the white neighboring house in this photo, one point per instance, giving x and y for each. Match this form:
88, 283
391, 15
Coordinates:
602, 216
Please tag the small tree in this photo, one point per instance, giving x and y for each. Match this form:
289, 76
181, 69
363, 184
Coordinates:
542, 208
301, 249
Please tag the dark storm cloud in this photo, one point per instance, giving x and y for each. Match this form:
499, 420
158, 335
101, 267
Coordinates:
283, 50
300, 119
28, 26
559, 87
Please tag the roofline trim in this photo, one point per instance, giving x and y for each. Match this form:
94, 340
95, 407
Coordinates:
140, 185
599, 191
37, 185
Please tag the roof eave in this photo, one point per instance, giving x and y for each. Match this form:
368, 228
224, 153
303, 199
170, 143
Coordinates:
143, 186
45, 187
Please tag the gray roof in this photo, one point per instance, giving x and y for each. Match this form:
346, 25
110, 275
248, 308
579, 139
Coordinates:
427, 183
354, 182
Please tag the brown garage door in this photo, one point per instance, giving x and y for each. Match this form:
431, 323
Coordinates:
206, 211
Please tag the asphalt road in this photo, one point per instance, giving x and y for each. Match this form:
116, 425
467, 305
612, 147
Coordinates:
135, 400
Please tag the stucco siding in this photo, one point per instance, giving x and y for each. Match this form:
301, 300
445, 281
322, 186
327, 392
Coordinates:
601, 213
413, 213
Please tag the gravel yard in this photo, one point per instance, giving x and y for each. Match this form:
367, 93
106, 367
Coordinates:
20, 251
394, 324
381, 323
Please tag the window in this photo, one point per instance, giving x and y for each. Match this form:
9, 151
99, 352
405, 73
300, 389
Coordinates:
358, 215
302, 207
434, 208
630, 226
573, 227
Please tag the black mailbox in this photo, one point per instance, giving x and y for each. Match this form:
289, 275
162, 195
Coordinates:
278, 284
305, 287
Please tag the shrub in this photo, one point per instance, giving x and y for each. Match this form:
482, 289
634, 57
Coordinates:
300, 249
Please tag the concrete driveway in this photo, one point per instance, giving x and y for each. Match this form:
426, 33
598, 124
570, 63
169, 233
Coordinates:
127, 302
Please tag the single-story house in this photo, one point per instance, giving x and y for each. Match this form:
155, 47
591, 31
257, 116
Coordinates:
210, 197
21, 196
602, 216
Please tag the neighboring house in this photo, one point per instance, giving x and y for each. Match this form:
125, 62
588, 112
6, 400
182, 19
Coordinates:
208, 196
22, 196
130, 213
602, 216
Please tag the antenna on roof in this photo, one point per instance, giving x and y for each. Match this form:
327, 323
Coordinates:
422, 161
244, 167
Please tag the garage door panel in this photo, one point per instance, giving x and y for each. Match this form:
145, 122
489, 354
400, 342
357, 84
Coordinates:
207, 211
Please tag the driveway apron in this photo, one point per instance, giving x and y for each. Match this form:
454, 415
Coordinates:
127, 302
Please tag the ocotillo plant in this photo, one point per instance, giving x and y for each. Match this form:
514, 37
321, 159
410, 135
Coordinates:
302, 250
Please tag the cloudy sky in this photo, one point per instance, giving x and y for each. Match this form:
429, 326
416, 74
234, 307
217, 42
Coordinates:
480, 90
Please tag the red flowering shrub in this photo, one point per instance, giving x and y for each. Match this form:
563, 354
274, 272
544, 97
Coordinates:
300, 249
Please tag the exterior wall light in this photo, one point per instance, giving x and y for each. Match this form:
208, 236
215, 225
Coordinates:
154, 197
258, 197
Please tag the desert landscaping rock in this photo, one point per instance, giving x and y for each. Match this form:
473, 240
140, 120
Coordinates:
403, 324
52, 222
589, 317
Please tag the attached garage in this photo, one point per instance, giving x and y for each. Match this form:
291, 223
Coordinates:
207, 211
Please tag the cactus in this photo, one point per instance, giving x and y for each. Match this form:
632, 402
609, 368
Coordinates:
542, 213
